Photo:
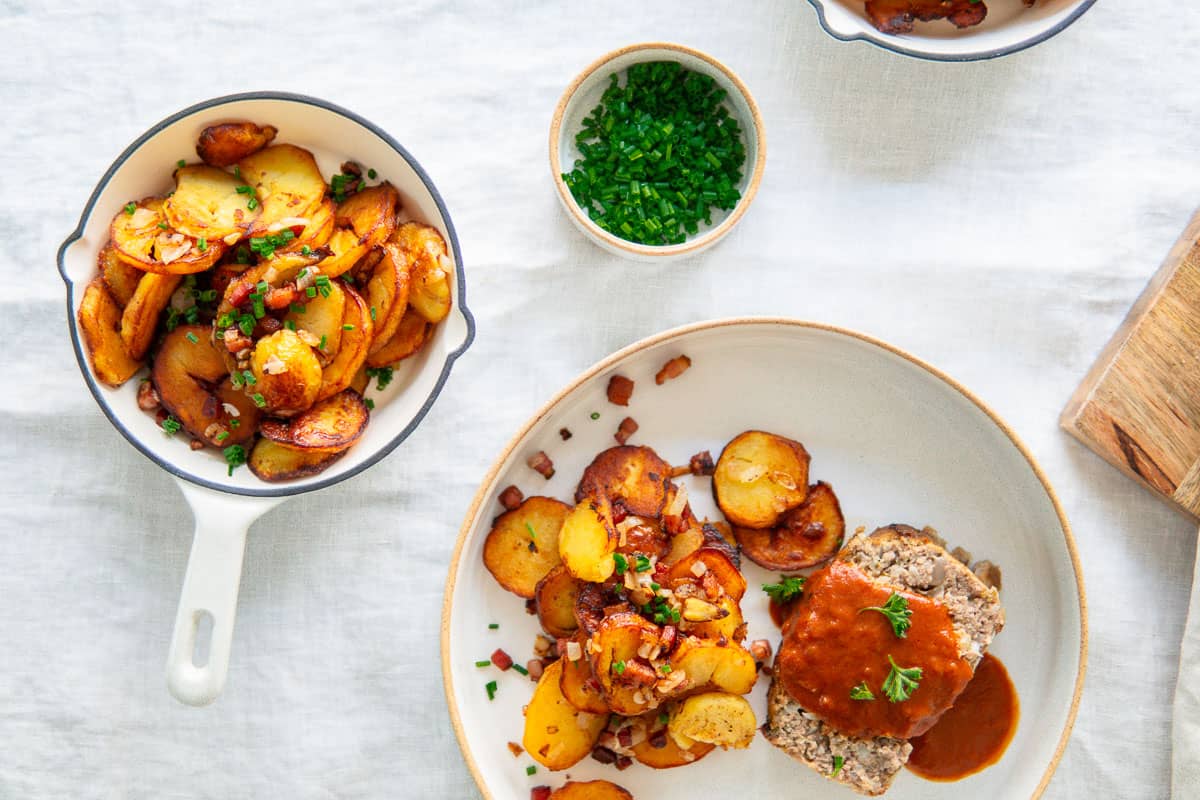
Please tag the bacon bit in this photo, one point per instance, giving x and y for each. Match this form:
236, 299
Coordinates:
565, 433
604, 755
627, 428
536, 667
502, 660
761, 650
658, 740
196, 444
620, 389
266, 326
515, 749
511, 497
540, 463
637, 674
240, 293
147, 397
539, 793
544, 749
161, 416
236, 341
767, 670
711, 587
672, 369
702, 463
624, 762
281, 296
739, 633
625, 736
619, 512
667, 636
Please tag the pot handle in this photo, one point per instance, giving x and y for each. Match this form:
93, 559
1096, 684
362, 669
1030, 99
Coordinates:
208, 603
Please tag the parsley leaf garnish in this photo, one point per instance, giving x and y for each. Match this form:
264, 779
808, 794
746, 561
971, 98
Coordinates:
786, 590
862, 692
897, 612
838, 762
901, 682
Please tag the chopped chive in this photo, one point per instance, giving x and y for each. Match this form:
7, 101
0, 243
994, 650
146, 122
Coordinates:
296, 308
493, 626
491, 689
371, 173
222, 436
347, 327
191, 337
520, 669
181, 163
311, 291
530, 770
306, 251
163, 226
370, 404
485, 663
595, 415
130, 208
322, 345
259, 400
372, 313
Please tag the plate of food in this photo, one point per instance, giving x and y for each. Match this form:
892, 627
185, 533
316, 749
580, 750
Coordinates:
949, 30
763, 555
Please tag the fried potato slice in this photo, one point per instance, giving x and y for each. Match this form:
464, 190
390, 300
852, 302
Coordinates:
624, 676
667, 754
898, 16
100, 325
713, 718
330, 426
120, 278
345, 251
206, 203
522, 546
709, 561
387, 295
725, 619
228, 143
322, 317
683, 545
287, 182
347, 365
409, 338
318, 227
759, 477
287, 373
427, 255
558, 735
711, 666
590, 790
588, 540
140, 318
808, 535
371, 214
633, 476
555, 597
579, 688
193, 385
140, 239
274, 462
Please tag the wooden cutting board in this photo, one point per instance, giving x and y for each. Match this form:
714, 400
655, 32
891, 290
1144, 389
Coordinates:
1139, 406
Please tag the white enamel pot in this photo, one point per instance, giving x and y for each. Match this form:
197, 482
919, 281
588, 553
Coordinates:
226, 505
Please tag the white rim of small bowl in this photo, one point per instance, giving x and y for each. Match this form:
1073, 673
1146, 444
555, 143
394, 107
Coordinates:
706, 238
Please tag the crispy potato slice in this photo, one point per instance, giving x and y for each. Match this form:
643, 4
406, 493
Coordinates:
100, 324
387, 295
330, 426
140, 240
522, 546
808, 535
683, 545
713, 718
345, 251
287, 373
274, 462
710, 666
426, 251
346, 370
287, 182
228, 143
726, 620
593, 599
322, 317
588, 540
193, 385
140, 318
371, 214
633, 476
120, 278
668, 754
318, 227
760, 477
555, 596
206, 203
579, 688
558, 735
616, 664
590, 790
709, 561
409, 338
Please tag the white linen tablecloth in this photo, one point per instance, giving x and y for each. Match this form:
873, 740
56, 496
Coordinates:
996, 219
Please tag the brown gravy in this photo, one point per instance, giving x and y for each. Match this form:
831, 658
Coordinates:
975, 732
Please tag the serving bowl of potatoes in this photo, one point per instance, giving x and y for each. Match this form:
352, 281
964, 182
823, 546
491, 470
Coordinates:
262, 279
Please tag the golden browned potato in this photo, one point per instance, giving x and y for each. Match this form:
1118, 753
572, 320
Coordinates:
579, 688
318, 228
287, 373
635, 477
555, 597
191, 380
206, 203
660, 751
427, 255
625, 678
120, 278
322, 317
590, 790
713, 718
709, 561
808, 535
329, 426
345, 251
387, 295
347, 366
760, 477
408, 339
710, 666
287, 184
683, 545
100, 325
228, 143
522, 546
140, 318
371, 214
712, 619
139, 239
274, 462
588, 540
558, 735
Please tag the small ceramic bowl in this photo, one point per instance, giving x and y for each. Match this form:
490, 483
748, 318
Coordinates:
584, 94
1009, 28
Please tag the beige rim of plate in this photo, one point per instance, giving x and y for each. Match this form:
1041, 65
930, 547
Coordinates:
620, 355
709, 237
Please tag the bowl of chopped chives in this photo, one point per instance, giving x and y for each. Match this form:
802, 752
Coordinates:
656, 151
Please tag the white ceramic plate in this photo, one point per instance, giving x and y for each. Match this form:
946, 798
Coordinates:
1008, 28
899, 442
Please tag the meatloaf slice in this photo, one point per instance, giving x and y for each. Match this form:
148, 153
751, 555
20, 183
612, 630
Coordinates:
895, 557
